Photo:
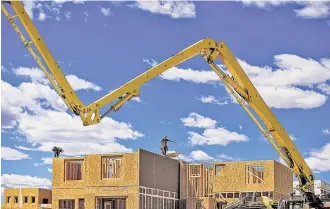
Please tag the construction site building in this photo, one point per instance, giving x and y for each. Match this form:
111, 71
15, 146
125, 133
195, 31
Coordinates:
132, 180
31, 198
222, 183
143, 180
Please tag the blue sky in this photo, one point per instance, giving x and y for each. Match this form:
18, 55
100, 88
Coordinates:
283, 47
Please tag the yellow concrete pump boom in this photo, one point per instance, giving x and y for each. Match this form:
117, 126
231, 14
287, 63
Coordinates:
238, 84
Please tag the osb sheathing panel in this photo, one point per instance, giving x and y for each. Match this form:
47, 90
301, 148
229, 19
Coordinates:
283, 179
233, 177
92, 172
128, 176
45, 193
158, 171
91, 193
29, 192
208, 202
59, 175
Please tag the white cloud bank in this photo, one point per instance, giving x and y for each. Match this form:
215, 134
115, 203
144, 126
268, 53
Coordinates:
39, 115
201, 156
212, 135
199, 121
319, 160
293, 81
38, 76
8, 153
306, 9
173, 9
212, 100
42, 10
22, 181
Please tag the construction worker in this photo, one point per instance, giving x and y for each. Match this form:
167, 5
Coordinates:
163, 145
57, 151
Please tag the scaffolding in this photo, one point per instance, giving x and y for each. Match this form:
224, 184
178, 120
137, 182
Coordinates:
151, 198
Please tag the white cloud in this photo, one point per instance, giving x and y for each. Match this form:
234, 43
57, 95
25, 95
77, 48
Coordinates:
293, 82
212, 100
326, 131
150, 62
240, 127
224, 157
216, 136
314, 9
78, 148
262, 4
319, 160
21, 181
195, 76
8, 153
78, 83
29, 6
292, 137
199, 121
16, 100
68, 15
324, 88
291, 97
50, 170
182, 9
47, 160
184, 158
212, 135
105, 11
307, 9
292, 70
35, 9
199, 155
37, 114
137, 99
49, 125
37, 75
42, 16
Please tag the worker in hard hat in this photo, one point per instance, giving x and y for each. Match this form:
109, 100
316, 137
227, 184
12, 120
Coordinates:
163, 145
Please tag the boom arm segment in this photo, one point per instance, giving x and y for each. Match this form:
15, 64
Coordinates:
239, 85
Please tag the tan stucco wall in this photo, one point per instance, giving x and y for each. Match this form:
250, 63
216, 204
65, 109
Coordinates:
233, 178
158, 172
38, 193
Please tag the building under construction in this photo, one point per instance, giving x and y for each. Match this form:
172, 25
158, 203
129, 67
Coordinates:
143, 180
29, 198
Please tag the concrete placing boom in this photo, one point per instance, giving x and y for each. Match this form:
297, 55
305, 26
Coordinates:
238, 84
